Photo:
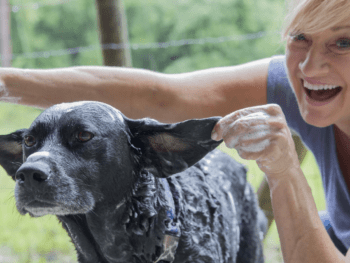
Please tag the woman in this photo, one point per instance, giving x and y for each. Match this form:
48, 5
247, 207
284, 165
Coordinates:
309, 89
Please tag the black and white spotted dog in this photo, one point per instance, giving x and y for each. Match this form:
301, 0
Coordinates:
134, 190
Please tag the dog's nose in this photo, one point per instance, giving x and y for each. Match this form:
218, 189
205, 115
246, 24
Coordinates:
32, 175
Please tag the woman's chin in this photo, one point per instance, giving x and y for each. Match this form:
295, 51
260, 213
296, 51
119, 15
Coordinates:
320, 117
317, 121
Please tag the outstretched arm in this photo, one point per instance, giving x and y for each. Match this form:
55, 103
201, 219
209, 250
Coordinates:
139, 93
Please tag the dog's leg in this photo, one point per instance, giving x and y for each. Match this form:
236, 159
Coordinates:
251, 250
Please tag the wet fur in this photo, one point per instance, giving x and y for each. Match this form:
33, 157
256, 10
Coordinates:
112, 191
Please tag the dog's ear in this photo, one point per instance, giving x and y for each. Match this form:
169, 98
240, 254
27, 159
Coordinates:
11, 155
167, 149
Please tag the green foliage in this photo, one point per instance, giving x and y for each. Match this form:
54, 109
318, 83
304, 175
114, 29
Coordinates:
54, 27
164, 21
74, 24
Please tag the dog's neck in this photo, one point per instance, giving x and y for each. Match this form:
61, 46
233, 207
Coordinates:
137, 225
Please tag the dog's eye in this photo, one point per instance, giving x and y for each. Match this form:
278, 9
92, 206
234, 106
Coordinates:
84, 136
29, 140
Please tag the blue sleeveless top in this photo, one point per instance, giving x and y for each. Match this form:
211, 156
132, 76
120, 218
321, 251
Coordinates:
320, 141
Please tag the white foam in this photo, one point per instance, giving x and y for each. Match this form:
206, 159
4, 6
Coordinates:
256, 147
256, 132
259, 131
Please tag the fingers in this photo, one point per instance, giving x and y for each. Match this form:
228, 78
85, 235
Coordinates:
242, 119
3, 90
258, 133
246, 130
4, 94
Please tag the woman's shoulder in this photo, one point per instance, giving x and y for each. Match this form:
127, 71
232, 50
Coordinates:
278, 88
277, 73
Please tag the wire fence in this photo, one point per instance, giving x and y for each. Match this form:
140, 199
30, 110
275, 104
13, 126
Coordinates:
35, 5
154, 45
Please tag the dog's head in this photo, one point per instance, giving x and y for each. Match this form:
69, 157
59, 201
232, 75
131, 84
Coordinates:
75, 154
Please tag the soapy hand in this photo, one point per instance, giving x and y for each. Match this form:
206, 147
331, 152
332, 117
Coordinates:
4, 94
259, 133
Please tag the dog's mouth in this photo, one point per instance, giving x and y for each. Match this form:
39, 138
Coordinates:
39, 204
37, 208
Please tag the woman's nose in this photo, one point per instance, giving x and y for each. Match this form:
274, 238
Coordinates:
315, 63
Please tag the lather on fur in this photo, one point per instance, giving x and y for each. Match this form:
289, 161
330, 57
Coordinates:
103, 174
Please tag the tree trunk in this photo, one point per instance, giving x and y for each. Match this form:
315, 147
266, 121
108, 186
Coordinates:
5, 33
113, 33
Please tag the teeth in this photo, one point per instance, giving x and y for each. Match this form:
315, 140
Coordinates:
318, 87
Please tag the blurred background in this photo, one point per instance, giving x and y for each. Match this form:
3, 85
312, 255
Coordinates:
165, 36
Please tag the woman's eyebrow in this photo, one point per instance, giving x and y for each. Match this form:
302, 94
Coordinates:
340, 28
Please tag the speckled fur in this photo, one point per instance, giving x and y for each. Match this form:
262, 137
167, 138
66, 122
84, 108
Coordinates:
108, 195
212, 230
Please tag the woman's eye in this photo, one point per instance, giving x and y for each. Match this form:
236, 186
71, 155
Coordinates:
343, 43
84, 136
29, 140
299, 40
299, 37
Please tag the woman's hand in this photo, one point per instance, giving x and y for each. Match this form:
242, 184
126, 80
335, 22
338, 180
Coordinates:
260, 133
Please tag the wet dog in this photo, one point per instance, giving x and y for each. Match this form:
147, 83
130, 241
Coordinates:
134, 190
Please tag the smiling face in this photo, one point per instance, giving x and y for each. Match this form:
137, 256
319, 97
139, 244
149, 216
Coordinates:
318, 66
318, 60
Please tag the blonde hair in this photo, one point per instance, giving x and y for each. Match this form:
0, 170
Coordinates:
313, 16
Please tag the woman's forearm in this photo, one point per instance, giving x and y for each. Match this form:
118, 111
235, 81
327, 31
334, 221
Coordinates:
302, 234
115, 86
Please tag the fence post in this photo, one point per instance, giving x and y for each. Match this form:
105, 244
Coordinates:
113, 30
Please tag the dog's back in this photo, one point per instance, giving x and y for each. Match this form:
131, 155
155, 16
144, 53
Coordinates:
218, 212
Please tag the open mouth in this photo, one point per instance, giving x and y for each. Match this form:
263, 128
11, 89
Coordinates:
321, 93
